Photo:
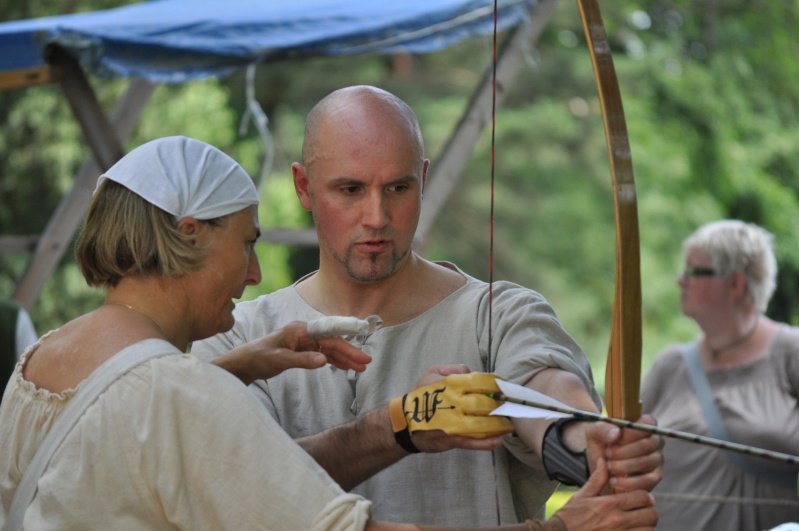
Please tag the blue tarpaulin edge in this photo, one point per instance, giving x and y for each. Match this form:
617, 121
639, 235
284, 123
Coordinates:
172, 41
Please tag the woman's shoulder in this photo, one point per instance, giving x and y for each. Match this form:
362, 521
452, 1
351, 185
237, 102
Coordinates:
657, 382
669, 359
186, 369
787, 336
183, 381
673, 352
785, 346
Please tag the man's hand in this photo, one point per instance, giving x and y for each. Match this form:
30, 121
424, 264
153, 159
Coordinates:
633, 457
448, 408
288, 348
635, 461
589, 509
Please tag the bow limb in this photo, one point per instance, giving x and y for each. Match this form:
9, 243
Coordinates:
623, 370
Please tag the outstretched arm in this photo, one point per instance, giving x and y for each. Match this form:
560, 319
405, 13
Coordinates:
354, 452
634, 459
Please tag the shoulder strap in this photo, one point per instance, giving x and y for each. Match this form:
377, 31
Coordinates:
703, 392
90, 389
716, 425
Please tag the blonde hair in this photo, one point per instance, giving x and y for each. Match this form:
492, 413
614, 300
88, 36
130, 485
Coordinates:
124, 235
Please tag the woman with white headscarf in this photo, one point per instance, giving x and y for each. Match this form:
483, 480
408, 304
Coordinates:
165, 441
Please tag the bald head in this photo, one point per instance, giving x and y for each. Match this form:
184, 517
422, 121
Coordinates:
359, 111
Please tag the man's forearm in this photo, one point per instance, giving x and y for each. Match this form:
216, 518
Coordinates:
354, 452
564, 387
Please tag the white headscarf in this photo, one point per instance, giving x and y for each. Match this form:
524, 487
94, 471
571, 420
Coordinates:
185, 177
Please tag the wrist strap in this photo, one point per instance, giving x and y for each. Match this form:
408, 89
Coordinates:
560, 462
399, 424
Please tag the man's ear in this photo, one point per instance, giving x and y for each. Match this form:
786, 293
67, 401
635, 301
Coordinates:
424, 173
302, 185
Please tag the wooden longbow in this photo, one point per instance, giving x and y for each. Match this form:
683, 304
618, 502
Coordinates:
623, 369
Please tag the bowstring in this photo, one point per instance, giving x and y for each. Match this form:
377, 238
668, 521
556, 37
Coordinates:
491, 232
491, 212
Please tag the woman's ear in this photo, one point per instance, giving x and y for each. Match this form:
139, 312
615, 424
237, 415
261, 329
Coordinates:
739, 281
189, 226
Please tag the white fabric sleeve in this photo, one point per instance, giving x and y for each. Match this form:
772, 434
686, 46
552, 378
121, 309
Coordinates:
348, 511
233, 467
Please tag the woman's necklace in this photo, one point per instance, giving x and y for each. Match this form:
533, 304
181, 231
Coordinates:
148, 317
714, 352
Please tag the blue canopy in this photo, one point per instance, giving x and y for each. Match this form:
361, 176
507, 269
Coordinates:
173, 41
179, 40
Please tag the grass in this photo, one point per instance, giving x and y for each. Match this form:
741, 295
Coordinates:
559, 499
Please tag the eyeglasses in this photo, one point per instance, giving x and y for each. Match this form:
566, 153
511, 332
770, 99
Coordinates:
692, 272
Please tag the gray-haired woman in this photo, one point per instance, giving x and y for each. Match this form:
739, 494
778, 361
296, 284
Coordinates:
737, 380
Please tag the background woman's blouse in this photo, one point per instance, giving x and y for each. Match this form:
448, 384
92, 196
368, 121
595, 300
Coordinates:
758, 402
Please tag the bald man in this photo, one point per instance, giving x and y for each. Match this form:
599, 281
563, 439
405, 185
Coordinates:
362, 177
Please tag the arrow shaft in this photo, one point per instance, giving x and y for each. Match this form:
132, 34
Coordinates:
675, 434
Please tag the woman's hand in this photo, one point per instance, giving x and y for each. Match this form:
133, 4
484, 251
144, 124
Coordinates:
288, 348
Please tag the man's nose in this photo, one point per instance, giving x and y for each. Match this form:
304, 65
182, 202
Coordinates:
375, 213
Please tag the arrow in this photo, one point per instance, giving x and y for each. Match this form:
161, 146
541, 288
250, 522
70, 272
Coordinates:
518, 401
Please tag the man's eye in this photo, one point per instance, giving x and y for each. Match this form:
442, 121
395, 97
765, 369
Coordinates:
398, 187
349, 189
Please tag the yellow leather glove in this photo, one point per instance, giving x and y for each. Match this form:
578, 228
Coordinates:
458, 405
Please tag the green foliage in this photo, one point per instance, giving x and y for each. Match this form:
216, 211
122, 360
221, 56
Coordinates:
279, 208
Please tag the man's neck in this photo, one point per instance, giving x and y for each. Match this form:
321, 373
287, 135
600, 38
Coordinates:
415, 287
